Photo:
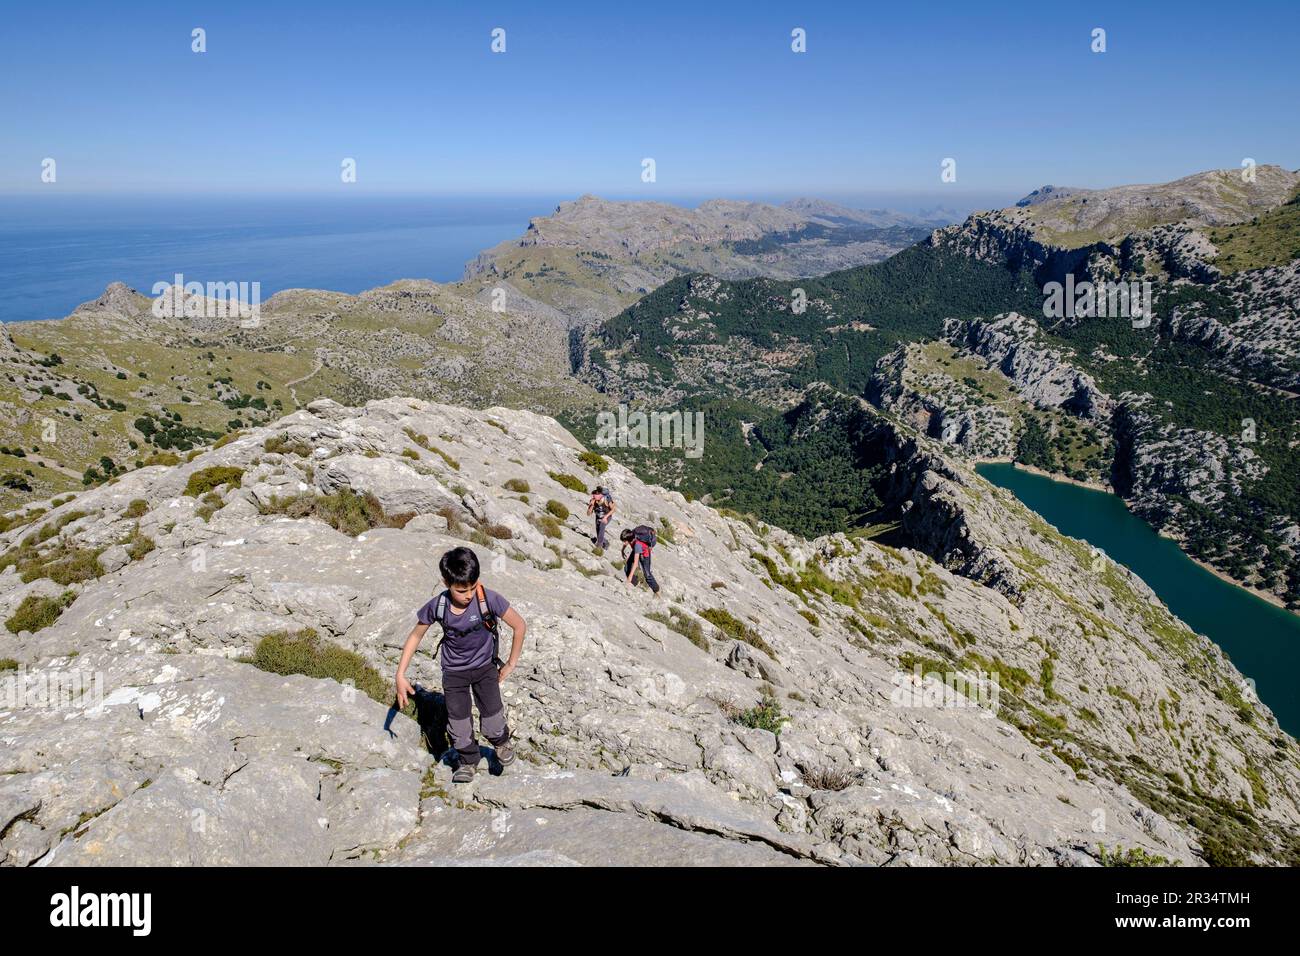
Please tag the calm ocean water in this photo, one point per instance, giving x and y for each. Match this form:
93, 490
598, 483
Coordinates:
57, 252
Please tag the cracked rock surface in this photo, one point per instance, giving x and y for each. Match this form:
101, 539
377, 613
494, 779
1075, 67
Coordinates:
810, 727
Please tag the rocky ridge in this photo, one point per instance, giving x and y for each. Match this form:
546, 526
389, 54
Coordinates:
769, 709
593, 257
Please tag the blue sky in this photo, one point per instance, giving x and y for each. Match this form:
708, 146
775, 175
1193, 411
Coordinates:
585, 91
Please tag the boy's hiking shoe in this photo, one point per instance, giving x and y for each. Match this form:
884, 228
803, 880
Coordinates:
506, 754
464, 774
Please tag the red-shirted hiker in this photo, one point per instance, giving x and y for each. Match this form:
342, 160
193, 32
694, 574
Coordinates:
641, 540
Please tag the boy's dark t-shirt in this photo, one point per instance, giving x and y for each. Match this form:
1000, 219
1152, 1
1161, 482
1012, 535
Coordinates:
468, 643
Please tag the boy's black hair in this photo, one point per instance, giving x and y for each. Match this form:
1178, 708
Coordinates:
459, 566
627, 534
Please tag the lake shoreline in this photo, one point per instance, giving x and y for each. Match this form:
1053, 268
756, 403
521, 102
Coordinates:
1042, 473
1266, 596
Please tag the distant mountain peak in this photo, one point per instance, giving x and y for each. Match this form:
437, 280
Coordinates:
1045, 193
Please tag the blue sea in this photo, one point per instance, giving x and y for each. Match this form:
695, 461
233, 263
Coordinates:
59, 251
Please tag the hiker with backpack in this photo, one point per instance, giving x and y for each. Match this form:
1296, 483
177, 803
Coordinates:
469, 615
601, 504
641, 540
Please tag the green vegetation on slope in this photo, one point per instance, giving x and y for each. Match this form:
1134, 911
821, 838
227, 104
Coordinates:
1272, 239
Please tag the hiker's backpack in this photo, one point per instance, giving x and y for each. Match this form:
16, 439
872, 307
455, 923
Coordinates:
485, 614
645, 534
603, 508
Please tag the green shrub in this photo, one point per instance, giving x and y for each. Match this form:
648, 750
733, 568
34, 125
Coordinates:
597, 463
1133, 856
557, 509
568, 481
8, 664
550, 527
517, 485
665, 532
765, 715
684, 624
736, 629
138, 545
423, 442
305, 653
209, 505
8, 522
136, 509
284, 445
37, 612
206, 479
451, 462
498, 531
49, 530
411, 453
63, 564
343, 511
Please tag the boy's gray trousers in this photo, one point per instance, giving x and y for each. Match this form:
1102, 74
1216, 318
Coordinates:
481, 683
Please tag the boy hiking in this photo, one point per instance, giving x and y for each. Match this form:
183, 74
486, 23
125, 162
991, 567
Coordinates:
601, 504
641, 540
468, 614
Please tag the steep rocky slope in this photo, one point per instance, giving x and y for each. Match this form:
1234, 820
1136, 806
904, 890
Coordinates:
770, 708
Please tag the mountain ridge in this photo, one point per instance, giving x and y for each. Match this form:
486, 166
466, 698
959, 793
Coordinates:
1213, 474
641, 722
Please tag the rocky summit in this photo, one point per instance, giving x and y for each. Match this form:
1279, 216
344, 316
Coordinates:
989, 692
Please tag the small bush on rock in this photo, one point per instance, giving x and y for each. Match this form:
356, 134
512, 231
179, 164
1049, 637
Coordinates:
571, 482
38, 612
206, 479
596, 462
305, 653
684, 624
284, 445
736, 629
344, 511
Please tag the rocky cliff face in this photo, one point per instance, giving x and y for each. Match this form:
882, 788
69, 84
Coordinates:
1157, 230
773, 707
911, 386
1222, 262
1042, 374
